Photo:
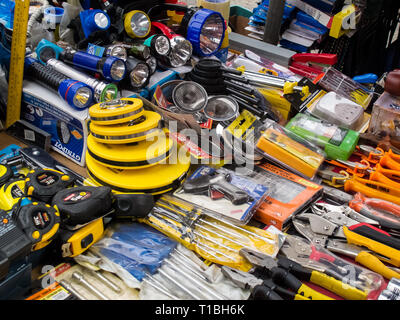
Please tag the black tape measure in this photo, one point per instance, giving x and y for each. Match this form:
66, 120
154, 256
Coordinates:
14, 243
6, 174
43, 184
80, 205
39, 221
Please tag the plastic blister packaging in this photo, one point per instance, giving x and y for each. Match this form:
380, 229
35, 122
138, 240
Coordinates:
337, 142
214, 240
289, 150
358, 283
193, 280
130, 250
340, 111
223, 194
338, 82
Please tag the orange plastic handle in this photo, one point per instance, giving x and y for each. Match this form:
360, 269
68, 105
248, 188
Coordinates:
391, 174
391, 161
353, 185
379, 177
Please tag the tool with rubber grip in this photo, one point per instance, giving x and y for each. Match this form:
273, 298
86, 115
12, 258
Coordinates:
376, 234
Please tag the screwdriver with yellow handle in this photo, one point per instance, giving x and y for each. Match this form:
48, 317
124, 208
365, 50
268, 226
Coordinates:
288, 275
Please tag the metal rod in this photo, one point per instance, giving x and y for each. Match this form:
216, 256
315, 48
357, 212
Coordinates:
249, 232
71, 289
188, 267
107, 281
82, 280
190, 261
194, 280
273, 21
157, 286
213, 241
222, 236
166, 275
200, 244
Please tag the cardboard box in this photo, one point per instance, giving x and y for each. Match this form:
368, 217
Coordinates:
68, 127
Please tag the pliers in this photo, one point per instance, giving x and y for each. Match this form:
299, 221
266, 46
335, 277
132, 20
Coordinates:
283, 274
328, 271
345, 235
261, 289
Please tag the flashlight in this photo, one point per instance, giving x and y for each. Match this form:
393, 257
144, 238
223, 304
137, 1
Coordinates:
159, 45
117, 50
137, 24
204, 28
102, 91
78, 95
111, 68
152, 63
46, 50
189, 97
139, 73
93, 20
181, 49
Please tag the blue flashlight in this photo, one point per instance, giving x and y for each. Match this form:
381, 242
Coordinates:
111, 68
94, 20
77, 94
46, 50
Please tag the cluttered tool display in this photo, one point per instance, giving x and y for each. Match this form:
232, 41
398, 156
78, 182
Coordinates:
208, 174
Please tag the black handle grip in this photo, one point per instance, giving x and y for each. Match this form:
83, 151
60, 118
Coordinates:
243, 96
285, 279
384, 223
239, 87
261, 292
373, 233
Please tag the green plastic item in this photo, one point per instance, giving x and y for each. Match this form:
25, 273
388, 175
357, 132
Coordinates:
338, 143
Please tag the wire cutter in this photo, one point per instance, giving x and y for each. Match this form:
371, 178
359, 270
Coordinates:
261, 289
269, 268
338, 237
351, 281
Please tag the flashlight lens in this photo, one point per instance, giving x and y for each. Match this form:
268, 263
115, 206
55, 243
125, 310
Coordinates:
117, 70
162, 45
152, 63
101, 20
189, 96
139, 75
211, 34
181, 51
109, 93
119, 52
140, 24
82, 97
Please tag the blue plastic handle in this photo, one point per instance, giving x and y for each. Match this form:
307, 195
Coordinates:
366, 78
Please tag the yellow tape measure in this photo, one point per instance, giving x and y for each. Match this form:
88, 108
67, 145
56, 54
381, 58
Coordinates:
18, 47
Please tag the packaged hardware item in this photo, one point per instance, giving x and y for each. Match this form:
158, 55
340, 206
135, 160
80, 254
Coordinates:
289, 150
290, 194
338, 82
385, 116
215, 240
338, 143
223, 194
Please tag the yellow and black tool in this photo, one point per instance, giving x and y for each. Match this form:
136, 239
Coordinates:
116, 111
156, 179
10, 193
282, 274
83, 204
39, 221
139, 129
137, 155
78, 241
6, 174
43, 184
